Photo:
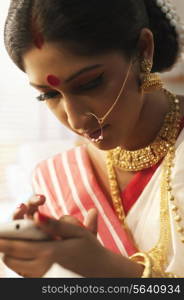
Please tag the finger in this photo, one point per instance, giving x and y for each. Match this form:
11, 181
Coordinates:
71, 220
34, 202
26, 268
18, 265
91, 220
20, 249
58, 227
30, 208
20, 212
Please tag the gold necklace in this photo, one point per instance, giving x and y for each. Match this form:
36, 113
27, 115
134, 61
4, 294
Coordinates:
159, 252
146, 157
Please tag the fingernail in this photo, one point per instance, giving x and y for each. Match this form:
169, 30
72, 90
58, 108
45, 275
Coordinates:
40, 197
21, 205
43, 218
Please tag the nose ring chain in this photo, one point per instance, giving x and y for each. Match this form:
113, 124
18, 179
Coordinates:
101, 120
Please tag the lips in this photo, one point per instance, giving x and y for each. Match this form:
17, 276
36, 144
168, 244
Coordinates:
96, 133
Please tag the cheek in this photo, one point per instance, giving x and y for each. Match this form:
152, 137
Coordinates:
129, 112
59, 112
126, 111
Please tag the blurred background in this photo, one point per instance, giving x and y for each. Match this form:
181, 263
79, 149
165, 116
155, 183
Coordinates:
29, 132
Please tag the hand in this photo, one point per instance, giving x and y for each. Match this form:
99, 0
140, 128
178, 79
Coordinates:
90, 221
32, 259
76, 249
29, 208
81, 252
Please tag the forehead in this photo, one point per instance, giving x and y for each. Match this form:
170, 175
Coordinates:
50, 59
61, 62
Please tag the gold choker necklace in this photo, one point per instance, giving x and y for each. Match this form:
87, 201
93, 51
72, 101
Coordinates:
147, 157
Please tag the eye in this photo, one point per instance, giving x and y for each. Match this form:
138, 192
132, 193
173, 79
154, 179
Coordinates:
91, 84
48, 95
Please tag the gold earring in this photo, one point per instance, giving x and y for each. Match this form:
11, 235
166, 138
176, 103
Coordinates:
149, 81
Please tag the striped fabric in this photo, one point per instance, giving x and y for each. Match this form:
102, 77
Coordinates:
69, 184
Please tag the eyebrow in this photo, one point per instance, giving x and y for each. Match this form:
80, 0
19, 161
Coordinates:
73, 76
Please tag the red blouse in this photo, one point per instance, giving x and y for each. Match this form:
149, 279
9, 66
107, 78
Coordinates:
135, 187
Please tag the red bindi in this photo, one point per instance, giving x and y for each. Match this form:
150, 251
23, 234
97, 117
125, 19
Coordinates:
53, 80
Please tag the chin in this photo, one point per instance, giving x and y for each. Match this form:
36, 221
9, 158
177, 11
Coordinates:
105, 145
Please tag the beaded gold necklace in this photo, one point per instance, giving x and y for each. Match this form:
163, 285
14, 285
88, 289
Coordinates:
159, 252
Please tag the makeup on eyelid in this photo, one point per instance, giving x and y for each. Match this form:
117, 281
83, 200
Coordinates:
95, 77
87, 79
94, 82
48, 95
88, 76
55, 81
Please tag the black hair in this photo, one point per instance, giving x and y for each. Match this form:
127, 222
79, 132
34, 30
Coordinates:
90, 27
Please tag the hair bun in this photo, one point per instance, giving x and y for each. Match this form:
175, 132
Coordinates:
166, 28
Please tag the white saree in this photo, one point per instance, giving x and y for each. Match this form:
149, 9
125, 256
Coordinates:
143, 218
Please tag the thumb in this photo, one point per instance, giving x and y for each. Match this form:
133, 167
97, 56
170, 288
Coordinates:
91, 220
58, 228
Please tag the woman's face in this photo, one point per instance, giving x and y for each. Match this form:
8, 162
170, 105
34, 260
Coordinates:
87, 84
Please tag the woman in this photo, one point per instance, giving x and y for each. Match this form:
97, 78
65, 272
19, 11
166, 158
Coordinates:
94, 63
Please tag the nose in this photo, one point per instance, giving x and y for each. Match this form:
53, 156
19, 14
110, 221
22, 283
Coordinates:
77, 114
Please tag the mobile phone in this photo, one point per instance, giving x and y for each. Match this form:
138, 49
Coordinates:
23, 229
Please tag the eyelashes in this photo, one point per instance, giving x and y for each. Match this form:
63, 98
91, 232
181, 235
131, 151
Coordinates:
88, 86
48, 95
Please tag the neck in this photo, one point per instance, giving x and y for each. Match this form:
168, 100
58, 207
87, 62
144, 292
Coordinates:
147, 127
150, 121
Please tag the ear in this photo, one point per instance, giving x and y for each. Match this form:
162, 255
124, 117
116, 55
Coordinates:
146, 44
